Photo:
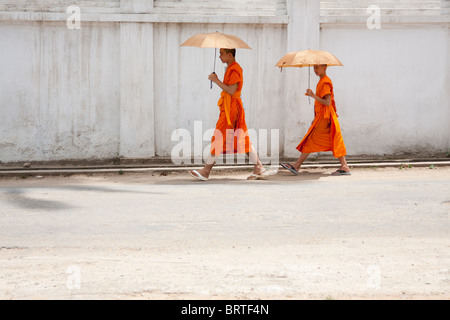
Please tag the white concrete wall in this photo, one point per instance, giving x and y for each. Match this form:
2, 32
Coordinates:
393, 92
122, 84
59, 91
182, 88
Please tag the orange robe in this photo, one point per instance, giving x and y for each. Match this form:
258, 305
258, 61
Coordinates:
325, 132
231, 134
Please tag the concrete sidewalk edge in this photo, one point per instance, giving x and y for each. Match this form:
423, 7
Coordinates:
164, 167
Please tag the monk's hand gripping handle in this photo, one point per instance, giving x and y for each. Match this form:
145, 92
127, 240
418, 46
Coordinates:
211, 81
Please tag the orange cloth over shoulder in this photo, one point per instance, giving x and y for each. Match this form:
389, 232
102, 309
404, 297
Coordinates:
231, 134
325, 132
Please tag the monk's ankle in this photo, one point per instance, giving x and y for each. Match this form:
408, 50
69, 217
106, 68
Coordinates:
204, 173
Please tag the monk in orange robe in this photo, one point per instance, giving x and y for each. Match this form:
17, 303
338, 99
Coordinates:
231, 134
325, 132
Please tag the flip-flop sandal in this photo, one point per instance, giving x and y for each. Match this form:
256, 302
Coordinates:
263, 175
289, 167
256, 176
198, 176
341, 173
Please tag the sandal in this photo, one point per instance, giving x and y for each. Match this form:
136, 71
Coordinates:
289, 167
341, 173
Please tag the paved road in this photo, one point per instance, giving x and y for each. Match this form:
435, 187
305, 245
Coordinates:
380, 233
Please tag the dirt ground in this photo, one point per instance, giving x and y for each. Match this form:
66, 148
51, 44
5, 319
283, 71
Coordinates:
381, 233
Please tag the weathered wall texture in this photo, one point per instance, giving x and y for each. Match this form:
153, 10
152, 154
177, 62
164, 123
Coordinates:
120, 85
59, 91
393, 92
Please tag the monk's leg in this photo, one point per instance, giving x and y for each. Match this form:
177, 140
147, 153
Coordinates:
254, 159
208, 166
344, 165
297, 164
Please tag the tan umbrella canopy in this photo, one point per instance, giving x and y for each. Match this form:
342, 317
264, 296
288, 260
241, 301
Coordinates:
215, 40
308, 58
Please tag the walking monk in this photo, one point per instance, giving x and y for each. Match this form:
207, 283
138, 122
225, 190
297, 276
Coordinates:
325, 132
231, 135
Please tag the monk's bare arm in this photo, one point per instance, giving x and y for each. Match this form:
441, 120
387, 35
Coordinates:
228, 89
325, 100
